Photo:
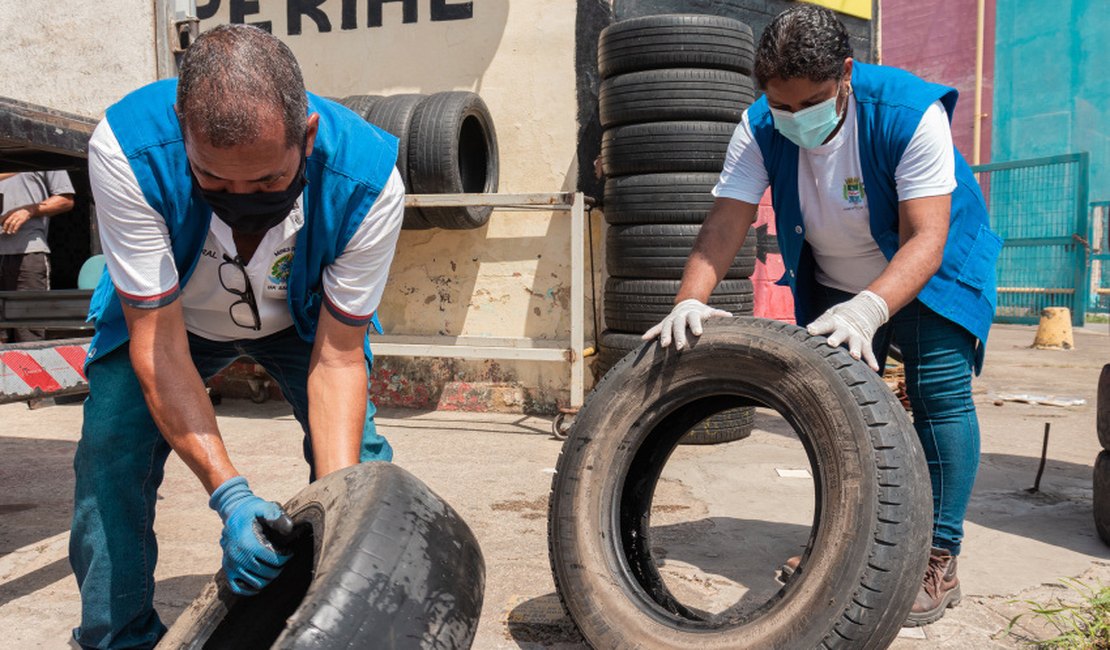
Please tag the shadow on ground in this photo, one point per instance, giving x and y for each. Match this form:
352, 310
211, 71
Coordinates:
36, 501
1059, 514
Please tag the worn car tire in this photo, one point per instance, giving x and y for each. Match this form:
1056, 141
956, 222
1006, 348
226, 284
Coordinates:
660, 251
654, 147
1102, 496
452, 149
1102, 407
675, 41
659, 198
726, 426
873, 511
383, 562
675, 94
361, 104
393, 114
638, 305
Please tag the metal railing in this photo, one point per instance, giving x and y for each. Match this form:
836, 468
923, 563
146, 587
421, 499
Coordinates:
1039, 207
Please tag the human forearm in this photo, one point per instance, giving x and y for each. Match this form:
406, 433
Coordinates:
175, 394
720, 237
53, 205
923, 224
336, 395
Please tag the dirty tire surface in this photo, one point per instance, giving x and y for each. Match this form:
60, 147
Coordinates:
674, 94
653, 147
726, 426
452, 149
873, 515
675, 41
361, 104
1102, 496
659, 198
638, 305
660, 251
1102, 407
382, 562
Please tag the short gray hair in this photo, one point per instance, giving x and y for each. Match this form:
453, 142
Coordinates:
805, 41
231, 77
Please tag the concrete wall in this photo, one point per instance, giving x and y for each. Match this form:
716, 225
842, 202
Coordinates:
510, 278
1051, 95
75, 56
940, 46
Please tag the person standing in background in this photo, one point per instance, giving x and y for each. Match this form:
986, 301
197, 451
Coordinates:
27, 201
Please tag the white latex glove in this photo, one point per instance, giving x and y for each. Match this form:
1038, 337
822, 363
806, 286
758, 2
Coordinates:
855, 322
688, 313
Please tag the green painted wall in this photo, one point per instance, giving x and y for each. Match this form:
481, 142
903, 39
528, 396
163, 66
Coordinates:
1052, 92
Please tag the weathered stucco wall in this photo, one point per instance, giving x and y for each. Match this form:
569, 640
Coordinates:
75, 56
512, 277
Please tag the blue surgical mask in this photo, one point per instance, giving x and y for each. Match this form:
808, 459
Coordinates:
809, 127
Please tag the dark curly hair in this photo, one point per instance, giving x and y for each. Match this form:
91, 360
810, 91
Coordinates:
803, 41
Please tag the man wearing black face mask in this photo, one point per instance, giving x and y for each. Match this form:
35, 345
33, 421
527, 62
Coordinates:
238, 215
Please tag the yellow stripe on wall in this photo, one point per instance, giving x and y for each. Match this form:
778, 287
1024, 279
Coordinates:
857, 8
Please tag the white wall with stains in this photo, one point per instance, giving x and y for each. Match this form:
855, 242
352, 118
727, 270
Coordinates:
75, 56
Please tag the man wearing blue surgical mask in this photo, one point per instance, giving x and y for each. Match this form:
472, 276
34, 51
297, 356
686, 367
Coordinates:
883, 233
239, 216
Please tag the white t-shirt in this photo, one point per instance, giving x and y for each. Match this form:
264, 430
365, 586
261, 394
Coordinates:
138, 255
833, 198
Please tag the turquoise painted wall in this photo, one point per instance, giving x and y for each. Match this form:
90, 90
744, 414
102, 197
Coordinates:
1052, 83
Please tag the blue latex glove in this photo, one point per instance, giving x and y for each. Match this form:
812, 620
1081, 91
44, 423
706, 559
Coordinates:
250, 560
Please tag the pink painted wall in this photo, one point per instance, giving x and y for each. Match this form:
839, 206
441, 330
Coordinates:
936, 41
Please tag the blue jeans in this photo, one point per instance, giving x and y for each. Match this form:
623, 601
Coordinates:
119, 466
939, 358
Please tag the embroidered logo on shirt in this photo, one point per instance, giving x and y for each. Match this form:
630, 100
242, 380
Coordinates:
853, 190
279, 270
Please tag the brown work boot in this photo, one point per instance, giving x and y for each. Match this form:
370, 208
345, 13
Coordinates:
940, 589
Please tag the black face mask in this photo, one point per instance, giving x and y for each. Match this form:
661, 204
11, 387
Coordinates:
254, 213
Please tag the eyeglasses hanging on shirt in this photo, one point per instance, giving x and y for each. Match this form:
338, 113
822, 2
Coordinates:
244, 311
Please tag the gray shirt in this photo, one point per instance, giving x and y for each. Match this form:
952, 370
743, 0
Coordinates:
28, 188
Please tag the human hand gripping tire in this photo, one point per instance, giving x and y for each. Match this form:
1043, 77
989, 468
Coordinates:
853, 322
688, 313
250, 560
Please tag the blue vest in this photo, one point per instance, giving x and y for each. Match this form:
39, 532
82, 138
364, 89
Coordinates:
350, 163
889, 106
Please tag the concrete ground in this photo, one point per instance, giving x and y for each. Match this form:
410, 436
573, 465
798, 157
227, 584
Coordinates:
496, 469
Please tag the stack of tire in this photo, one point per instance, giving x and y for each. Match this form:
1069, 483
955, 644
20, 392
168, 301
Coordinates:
673, 89
446, 145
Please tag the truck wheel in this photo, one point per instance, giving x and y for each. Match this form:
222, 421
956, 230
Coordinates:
873, 507
393, 115
660, 252
638, 305
381, 562
675, 41
665, 147
659, 198
453, 149
678, 94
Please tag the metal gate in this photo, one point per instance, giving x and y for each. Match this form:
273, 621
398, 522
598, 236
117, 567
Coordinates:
1039, 207
1099, 292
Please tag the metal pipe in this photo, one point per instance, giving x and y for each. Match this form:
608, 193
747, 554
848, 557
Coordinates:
976, 124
